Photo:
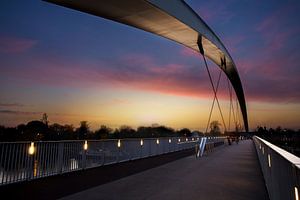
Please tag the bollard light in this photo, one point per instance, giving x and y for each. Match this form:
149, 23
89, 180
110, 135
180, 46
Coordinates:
142, 142
170, 140
157, 141
31, 149
85, 146
119, 143
179, 140
269, 160
186, 139
296, 193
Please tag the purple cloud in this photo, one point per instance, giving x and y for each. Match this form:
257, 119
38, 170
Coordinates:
9, 44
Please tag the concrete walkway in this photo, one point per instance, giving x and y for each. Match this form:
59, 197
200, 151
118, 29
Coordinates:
231, 172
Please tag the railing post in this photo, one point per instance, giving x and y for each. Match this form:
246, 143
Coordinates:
60, 157
141, 151
119, 147
84, 160
103, 153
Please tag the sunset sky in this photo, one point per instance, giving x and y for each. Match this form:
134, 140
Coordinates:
75, 66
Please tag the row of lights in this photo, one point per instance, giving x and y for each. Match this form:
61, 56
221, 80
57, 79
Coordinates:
263, 152
270, 164
31, 149
85, 146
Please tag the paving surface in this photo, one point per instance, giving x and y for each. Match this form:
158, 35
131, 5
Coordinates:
231, 172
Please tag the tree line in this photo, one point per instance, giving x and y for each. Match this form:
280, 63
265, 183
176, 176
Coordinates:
287, 139
41, 130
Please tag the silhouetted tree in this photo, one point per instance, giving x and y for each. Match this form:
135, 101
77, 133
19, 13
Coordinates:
103, 133
36, 130
45, 119
83, 130
69, 133
215, 128
127, 132
57, 131
185, 132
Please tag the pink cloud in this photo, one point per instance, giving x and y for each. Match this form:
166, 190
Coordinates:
10, 44
234, 42
269, 79
140, 72
275, 29
133, 71
187, 52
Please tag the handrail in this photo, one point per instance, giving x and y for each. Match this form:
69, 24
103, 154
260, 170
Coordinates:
281, 170
287, 155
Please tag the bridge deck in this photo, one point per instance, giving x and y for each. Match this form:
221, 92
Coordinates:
228, 173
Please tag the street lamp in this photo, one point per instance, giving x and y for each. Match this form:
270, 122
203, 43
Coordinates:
85, 146
31, 149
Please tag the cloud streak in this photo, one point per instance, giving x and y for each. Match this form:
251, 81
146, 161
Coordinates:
14, 45
15, 112
140, 72
11, 105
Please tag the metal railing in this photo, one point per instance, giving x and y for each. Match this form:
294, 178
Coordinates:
22, 161
281, 170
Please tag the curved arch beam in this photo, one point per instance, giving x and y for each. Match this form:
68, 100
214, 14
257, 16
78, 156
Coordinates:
175, 21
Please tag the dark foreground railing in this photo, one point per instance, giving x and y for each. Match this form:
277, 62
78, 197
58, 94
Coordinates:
281, 170
22, 161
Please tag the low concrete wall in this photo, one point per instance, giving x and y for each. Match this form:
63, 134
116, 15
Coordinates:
281, 170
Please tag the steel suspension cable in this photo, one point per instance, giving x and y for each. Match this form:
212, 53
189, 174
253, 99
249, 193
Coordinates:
230, 103
213, 103
214, 90
237, 113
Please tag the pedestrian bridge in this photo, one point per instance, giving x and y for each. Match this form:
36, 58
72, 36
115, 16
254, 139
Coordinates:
157, 168
230, 172
252, 169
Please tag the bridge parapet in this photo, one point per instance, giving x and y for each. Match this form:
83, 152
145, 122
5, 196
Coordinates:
281, 170
21, 161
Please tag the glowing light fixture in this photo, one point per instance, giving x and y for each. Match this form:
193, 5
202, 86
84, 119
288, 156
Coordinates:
296, 193
119, 143
142, 142
179, 140
157, 141
85, 146
186, 139
31, 149
170, 140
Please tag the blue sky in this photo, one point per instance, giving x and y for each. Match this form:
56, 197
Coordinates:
60, 61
